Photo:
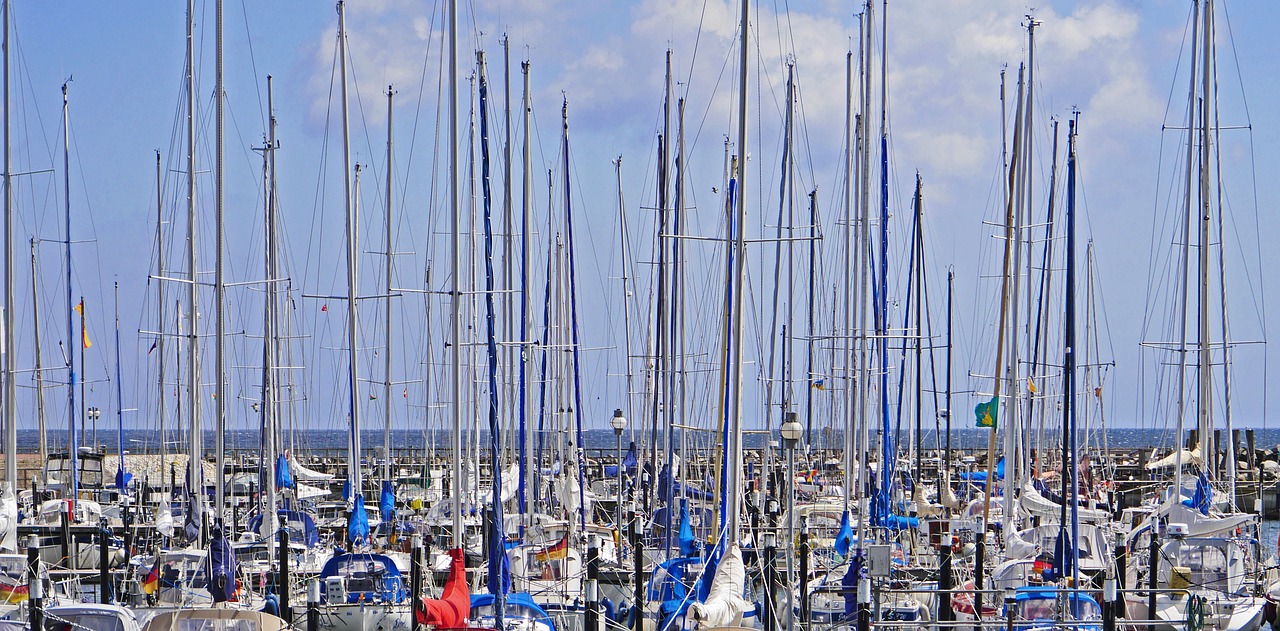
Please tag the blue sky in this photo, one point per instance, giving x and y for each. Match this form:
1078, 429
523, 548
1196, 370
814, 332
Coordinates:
1114, 60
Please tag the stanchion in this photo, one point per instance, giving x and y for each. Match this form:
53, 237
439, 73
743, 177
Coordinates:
1109, 604
945, 613
104, 565
1010, 608
637, 551
592, 618
770, 582
35, 589
313, 605
804, 574
415, 580
979, 564
282, 578
864, 604
1153, 572
65, 523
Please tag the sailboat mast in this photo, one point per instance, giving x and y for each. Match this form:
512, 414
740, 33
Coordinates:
849, 263
455, 316
270, 400
1183, 349
35, 309
1208, 451
353, 380
526, 231
121, 483
10, 365
386, 349
733, 371
195, 472
1069, 358
919, 349
160, 341
73, 485
864, 271
219, 275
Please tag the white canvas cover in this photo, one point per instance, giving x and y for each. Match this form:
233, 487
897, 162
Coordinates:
303, 474
8, 520
724, 605
1038, 505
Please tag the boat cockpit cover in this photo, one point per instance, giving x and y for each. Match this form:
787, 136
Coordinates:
215, 620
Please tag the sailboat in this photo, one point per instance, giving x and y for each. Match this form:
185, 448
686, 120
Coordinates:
1186, 541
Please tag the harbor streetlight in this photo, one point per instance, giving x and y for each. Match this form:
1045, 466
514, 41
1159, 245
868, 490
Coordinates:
791, 432
94, 414
618, 423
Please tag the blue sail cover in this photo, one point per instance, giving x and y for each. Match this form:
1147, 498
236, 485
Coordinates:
346, 490
222, 567
123, 477
387, 504
284, 476
844, 536
192, 522
688, 544
630, 461
850, 584
358, 526
298, 523
1203, 497
1063, 557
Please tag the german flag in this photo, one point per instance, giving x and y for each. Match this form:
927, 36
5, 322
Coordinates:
558, 551
13, 594
151, 583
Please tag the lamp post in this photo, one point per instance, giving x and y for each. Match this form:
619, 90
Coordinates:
791, 431
94, 414
618, 423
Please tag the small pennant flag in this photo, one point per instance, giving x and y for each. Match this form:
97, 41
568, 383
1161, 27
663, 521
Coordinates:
985, 413
324, 307
1031, 385
820, 384
373, 397
1097, 392
153, 346
406, 393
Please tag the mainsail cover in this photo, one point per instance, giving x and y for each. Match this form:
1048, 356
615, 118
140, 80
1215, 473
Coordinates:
454, 606
222, 567
724, 604
8, 520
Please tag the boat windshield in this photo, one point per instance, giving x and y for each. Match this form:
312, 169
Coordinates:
1047, 609
1208, 565
85, 622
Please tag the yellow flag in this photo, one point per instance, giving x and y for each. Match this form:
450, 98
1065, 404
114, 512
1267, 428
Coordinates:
1031, 385
84, 333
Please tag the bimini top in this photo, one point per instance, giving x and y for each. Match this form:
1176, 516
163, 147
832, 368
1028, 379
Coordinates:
518, 605
221, 618
369, 577
298, 523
